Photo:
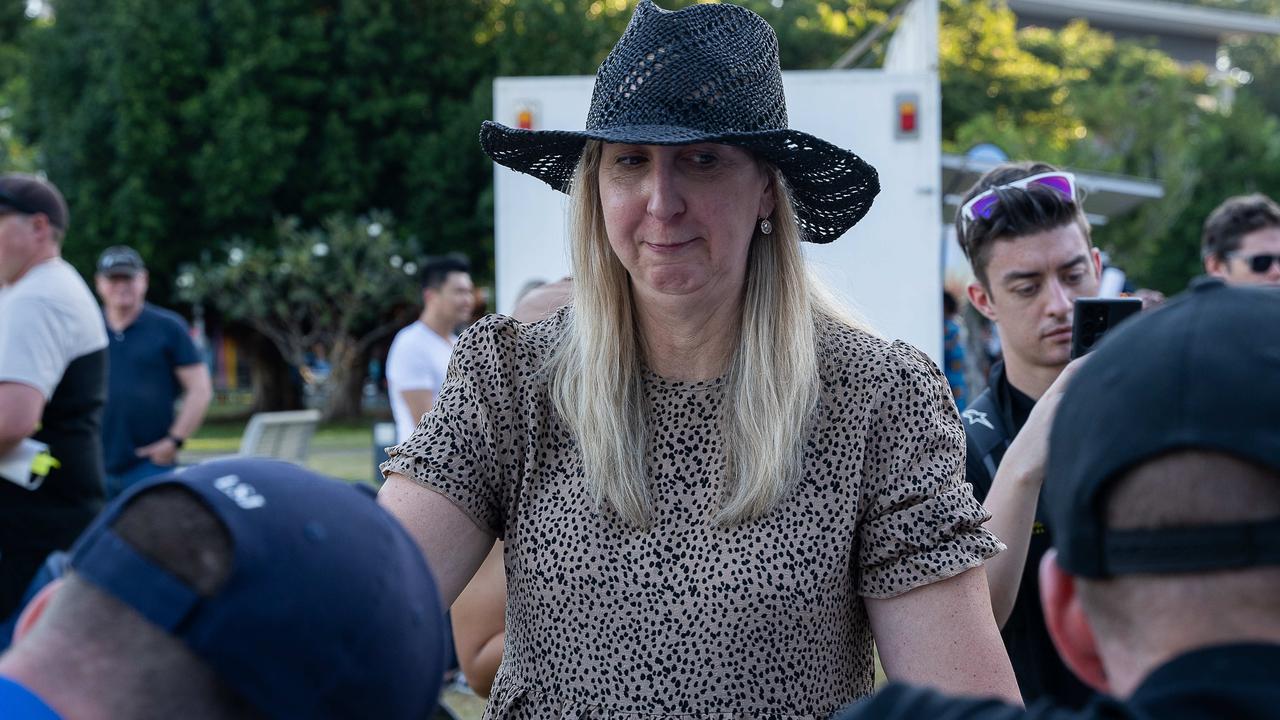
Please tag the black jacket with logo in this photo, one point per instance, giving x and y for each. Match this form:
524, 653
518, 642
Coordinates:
990, 424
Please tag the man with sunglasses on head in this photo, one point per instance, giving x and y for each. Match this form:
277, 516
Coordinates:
53, 373
1027, 239
1241, 241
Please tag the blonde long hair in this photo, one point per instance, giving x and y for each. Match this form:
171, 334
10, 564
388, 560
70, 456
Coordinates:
771, 388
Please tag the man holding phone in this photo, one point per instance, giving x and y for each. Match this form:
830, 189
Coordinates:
1027, 239
1164, 490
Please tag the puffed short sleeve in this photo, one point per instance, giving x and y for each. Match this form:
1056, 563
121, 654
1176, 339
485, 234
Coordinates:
919, 522
462, 449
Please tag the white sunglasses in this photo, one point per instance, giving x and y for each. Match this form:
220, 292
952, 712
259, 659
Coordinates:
984, 203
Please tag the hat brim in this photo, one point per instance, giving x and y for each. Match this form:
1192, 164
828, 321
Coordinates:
121, 272
831, 188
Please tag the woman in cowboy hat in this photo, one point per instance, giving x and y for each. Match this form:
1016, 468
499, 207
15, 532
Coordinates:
715, 488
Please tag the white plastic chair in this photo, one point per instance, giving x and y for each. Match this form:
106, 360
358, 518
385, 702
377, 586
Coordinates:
283, 435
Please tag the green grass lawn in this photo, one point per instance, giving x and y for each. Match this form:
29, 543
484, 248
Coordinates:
342, 449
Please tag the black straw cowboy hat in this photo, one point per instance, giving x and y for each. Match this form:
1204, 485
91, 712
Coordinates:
707, 73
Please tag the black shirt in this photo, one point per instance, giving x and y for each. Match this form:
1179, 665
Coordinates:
1040, 672
51, 517
1236, 682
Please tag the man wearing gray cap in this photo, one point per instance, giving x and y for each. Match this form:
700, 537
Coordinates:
154, 362
53, 371
1163, 493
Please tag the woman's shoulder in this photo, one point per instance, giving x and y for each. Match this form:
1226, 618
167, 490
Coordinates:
846, 345
856, 354
508, 342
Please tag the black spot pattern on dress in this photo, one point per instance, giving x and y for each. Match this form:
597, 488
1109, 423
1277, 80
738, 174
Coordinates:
686, 619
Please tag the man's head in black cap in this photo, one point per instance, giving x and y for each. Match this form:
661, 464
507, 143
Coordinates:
1163, 489
33, 221
121, 281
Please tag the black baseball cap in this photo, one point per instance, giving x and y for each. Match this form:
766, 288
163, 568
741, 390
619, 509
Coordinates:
120, 260
1201, 373
29, 195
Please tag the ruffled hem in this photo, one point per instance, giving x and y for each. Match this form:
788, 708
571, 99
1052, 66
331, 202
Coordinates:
512, 701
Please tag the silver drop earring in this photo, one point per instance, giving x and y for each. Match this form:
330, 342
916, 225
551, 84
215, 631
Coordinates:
766, 227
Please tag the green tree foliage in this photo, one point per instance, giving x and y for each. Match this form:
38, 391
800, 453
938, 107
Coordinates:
1078, 97
175, 126
342, 287
15, 154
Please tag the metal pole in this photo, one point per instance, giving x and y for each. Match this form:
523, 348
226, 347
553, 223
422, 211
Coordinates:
853, 54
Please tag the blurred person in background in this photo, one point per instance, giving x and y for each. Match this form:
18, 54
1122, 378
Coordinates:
153, 364
1241, 241
954, 364
419, 355
53, 383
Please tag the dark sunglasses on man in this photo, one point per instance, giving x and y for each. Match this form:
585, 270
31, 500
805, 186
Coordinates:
1259, 263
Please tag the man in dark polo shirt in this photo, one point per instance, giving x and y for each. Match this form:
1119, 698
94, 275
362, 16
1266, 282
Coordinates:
153, 364
1163, 492
53, 357
1027, 239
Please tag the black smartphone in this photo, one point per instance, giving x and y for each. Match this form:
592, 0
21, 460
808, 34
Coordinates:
1093, 317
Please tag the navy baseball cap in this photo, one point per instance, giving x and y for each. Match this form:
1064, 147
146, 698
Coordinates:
329, 611
1201, 373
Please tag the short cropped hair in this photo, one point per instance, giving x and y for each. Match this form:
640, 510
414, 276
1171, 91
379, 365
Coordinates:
438, 269
1186, 488
1236, 217
172, 528
1019, 213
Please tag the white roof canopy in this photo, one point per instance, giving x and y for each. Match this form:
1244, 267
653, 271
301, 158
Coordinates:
1107, 196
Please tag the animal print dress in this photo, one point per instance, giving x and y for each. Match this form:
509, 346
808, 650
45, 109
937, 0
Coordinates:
687, 619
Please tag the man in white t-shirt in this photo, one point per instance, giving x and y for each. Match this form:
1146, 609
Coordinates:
53, 373
419, 355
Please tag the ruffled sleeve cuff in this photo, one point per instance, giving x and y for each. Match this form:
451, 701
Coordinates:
931, 541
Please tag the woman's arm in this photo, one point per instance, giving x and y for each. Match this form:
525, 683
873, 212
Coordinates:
942, 635
1012, 504
452, 543
479, 623
1015, 490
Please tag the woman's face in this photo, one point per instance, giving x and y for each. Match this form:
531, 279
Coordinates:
681, 218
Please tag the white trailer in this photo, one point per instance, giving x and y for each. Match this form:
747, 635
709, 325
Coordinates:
888, 267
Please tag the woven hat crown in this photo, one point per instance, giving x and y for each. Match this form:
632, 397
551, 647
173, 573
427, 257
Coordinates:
712, 68
706, 73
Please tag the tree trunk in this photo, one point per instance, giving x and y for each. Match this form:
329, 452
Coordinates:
276, 385
345, 398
